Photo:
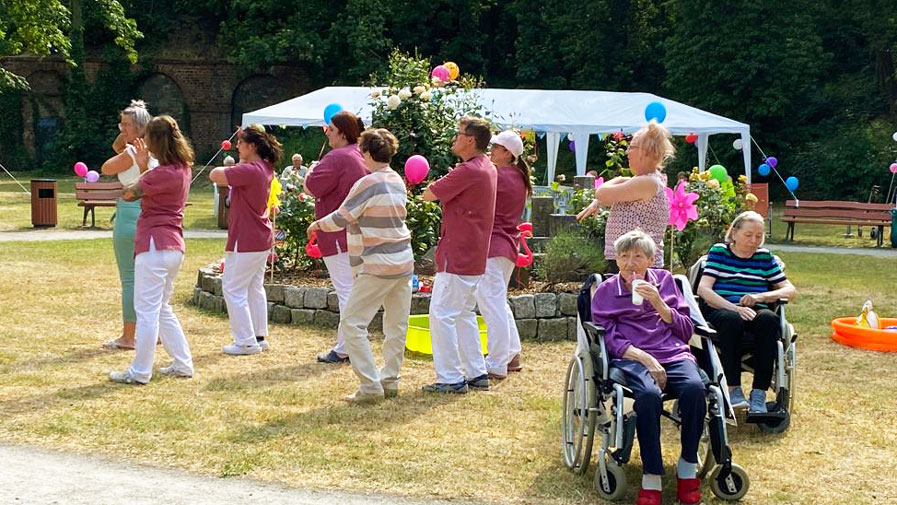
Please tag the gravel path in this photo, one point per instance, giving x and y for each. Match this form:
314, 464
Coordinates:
38, 476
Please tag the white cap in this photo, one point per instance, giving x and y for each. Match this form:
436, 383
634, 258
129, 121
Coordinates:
510, 141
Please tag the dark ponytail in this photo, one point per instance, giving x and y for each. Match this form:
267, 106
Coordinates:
266, 145
524, 171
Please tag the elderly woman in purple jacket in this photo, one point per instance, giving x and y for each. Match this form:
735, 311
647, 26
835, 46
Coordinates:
648, 327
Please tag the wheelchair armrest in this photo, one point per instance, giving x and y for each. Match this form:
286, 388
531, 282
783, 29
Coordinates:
595, 329
705, 331
782, 301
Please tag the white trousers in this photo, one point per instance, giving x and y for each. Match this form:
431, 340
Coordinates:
243, 286
454, 334
154, 274
341, 277
492, 299
369, 293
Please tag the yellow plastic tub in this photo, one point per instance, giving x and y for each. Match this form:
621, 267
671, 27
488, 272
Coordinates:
418, 337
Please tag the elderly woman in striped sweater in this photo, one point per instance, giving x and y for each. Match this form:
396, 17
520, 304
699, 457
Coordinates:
379, 244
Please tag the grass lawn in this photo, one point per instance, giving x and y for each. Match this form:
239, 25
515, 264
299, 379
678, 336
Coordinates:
279, 416
15, 204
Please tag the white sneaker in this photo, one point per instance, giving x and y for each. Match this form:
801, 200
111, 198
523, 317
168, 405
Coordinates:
240, 350
171, 371
124, 377
263, 344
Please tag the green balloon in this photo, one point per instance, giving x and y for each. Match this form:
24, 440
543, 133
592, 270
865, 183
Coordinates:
719, 173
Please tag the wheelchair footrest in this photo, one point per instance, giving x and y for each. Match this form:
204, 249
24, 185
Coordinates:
758, 418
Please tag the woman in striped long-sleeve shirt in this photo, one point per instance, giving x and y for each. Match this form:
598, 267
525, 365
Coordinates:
379, 244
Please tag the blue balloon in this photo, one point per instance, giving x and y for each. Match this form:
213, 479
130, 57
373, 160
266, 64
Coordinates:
791, 183
655, 110
330, 111
763, 169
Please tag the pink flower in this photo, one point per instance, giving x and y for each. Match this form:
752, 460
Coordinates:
598, 182
682, 206
618, 136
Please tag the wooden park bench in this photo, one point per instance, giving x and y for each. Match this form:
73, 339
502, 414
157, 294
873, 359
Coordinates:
837, 212
91, 195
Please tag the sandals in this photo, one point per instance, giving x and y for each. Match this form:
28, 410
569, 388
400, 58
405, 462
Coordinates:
113, 345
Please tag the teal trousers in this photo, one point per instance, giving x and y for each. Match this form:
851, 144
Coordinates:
126, 214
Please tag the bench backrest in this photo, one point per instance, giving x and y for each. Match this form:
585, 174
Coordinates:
98, 190
838, 209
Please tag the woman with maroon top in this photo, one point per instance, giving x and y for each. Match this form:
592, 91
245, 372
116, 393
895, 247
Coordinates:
249, 238
512, 188
329, 181
159, 250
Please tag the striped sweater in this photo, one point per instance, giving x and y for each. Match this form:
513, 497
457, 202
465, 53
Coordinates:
736, 277
373, 215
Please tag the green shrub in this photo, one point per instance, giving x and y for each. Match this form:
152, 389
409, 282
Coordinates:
297, 212
570, 256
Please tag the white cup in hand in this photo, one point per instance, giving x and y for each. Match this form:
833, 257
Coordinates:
637, 298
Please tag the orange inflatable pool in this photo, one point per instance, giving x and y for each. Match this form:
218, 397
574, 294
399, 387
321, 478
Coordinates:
846, 332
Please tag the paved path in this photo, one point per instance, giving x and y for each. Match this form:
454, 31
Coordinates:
55, 234
37, 476
882, 252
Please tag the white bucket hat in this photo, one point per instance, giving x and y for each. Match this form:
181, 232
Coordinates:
510, 141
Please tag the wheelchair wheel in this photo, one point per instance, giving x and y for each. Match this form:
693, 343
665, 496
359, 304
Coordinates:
705, 453
578, 423
615, 486
732, 487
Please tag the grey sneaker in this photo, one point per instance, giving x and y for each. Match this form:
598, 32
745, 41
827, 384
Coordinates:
263, 344
480, 383
332, 357
737, 399
758, 402
458, 388
124, 377
171, 371
241, 350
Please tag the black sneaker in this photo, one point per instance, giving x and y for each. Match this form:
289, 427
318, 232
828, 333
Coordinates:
332, 357
458, 388
480, 383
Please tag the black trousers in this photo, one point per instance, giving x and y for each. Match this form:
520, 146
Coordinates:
731, 327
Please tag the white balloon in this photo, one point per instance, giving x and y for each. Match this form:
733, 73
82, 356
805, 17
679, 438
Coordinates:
570, 137
738, 144
894, 136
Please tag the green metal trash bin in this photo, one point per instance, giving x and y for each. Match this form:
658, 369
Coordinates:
894, 227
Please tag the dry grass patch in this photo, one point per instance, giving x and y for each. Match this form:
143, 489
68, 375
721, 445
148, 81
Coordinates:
279, 416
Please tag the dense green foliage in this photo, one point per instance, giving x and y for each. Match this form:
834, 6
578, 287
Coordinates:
815, 80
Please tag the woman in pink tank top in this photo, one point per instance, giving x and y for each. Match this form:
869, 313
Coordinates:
640, 201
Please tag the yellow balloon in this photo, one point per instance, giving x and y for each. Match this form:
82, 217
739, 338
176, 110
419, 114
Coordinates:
453, 69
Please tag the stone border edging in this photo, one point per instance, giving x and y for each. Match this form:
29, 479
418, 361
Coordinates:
539, 316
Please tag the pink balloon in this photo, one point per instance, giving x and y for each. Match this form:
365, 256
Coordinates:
80, 169
225, 145
441, 73
416, 169
93, 176
893, 168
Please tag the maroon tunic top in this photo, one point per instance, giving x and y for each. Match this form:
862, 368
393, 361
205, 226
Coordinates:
165, 189
510, 199
467, 194
248, 225
329, 183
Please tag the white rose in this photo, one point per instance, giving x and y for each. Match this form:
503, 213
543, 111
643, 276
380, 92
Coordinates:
419, 89
425, 96
404, 93
394, 102
375, 93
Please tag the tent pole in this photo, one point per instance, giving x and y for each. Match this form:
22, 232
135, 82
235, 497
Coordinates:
552, 141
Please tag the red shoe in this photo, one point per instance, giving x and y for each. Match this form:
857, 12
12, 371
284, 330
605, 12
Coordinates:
648, 497
688, 491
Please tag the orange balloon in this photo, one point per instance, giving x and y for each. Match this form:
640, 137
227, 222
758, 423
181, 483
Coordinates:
453, 69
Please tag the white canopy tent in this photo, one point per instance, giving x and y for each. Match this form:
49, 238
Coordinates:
552, 112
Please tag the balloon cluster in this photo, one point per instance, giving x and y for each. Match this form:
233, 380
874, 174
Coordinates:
447, 72
769, 165
88, 175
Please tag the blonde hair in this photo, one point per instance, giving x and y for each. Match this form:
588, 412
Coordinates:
655, 140
139, 113
738, 223
165, 140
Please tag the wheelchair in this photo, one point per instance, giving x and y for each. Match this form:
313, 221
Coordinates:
778, 417
597, 403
